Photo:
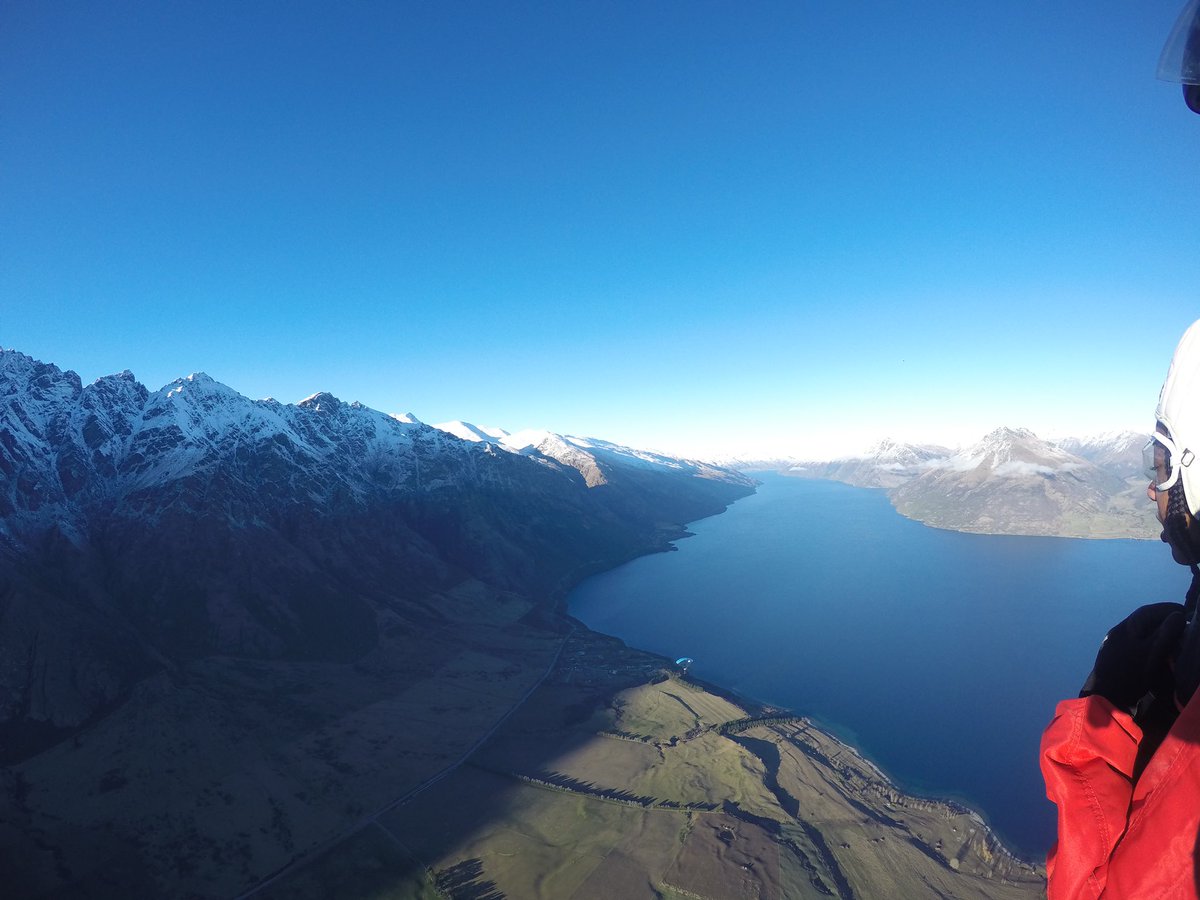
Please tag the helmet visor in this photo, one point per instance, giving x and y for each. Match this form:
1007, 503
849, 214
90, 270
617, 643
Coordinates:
1158, 458
1180, 59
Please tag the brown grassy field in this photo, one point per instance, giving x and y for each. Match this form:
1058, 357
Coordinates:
558, 806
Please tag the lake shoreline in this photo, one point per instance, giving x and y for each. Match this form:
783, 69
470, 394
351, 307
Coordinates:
890, 650
619, 777
759, 708
889, 492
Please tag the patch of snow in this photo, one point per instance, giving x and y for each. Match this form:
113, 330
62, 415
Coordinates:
961, 462
467, 432
528, 438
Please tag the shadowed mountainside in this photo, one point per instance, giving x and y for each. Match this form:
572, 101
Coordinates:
621, 779
194, 587
312, 650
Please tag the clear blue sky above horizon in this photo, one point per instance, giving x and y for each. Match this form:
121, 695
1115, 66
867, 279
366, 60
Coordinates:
699, 227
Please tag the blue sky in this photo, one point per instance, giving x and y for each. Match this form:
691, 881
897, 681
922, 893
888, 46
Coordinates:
709, 228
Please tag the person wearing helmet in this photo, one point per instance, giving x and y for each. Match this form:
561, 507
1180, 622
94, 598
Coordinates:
1122, 761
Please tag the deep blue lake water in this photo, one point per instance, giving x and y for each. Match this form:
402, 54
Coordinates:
938, 654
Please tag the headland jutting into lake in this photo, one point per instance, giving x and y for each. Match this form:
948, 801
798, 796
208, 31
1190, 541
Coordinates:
617, 777
939, 654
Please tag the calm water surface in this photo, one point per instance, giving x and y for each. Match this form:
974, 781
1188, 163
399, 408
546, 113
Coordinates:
939, 654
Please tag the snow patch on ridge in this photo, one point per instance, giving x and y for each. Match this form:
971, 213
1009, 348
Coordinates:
475, 433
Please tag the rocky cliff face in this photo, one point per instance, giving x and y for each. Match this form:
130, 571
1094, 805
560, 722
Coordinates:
140, 529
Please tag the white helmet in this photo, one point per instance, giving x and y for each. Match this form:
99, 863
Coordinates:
1180, 60
1178, 413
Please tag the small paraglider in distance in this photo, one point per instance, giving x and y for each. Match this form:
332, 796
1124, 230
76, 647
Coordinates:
683, 664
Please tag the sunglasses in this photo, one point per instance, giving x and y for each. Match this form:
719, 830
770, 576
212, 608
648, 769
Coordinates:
1158, 459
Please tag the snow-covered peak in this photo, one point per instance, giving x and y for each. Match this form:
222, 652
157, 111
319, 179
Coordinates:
107, 387
115, 440
1107, 438
407, 419
117, 378
884, 449
593, 458
1118, 451
198, 381
630, 455
32, 394
1105, 442
201, 390
1005, 443
899, 453
1006, 435
1013, 452
198, 391
474, 433
14, 362
322, 401
530, 438
45, 382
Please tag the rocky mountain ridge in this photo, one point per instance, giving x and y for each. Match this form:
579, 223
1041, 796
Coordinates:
297, 608
633, 474
140, 526
234, 633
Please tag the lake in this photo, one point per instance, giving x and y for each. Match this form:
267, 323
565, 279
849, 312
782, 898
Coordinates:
940, 655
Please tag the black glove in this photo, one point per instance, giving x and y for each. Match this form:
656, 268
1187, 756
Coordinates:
1134, 659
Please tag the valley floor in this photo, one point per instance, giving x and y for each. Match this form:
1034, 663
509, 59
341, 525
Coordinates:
618, 779
518, 757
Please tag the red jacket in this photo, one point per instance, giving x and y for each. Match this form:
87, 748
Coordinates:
1117, 839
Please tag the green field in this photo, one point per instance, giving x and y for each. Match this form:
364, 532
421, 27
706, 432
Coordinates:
580, 795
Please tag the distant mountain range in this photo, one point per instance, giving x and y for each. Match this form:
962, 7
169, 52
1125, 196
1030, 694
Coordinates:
1010, 482
642, 479
888, 464
189, 554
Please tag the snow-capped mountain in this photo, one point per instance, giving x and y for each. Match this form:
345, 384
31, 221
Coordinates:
69, 446
887, 465
1117, 451
593, 458
467, 432
1012, 482
1009, 482
138, 526
203, 596
1009, 453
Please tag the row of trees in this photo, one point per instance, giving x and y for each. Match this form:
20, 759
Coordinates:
560, 782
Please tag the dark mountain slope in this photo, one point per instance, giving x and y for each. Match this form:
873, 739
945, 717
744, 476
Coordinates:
230, 628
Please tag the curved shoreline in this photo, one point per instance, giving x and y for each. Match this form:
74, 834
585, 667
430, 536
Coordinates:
759, 708
833, 730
